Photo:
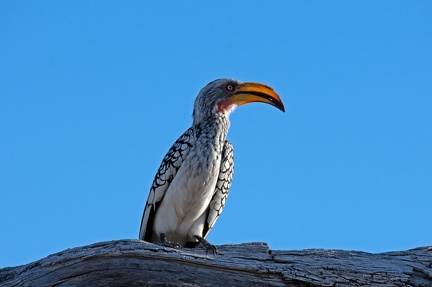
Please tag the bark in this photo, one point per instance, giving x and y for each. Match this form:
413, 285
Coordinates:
138, 263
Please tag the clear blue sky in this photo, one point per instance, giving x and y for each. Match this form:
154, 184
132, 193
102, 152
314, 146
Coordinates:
93, 93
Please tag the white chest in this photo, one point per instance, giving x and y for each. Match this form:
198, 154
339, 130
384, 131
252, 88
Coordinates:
188, 195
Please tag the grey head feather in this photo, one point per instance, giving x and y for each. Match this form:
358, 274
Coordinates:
208, 99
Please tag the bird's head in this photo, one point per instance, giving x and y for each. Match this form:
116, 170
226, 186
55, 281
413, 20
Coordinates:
224, 95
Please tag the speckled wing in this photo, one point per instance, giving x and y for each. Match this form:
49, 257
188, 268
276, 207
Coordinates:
222, 187
165, 174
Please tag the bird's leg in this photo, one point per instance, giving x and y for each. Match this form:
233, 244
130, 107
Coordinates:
167, 243
208, 246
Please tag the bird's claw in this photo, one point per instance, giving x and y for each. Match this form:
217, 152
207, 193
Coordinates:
208, 246
170, 244
165, 242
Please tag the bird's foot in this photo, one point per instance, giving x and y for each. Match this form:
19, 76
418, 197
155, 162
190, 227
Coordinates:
165, 242
208, 247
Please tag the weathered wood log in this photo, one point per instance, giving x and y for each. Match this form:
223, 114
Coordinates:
138, 263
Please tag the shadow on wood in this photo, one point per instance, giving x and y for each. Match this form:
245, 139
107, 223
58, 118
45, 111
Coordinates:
138, 263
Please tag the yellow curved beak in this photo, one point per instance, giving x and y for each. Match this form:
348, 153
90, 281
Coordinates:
256, 92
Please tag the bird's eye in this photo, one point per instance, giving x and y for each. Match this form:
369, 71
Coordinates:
230, 87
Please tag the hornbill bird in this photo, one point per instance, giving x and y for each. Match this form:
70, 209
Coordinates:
191, 185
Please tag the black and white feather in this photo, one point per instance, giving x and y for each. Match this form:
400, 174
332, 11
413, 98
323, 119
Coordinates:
223, 186
162, 180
